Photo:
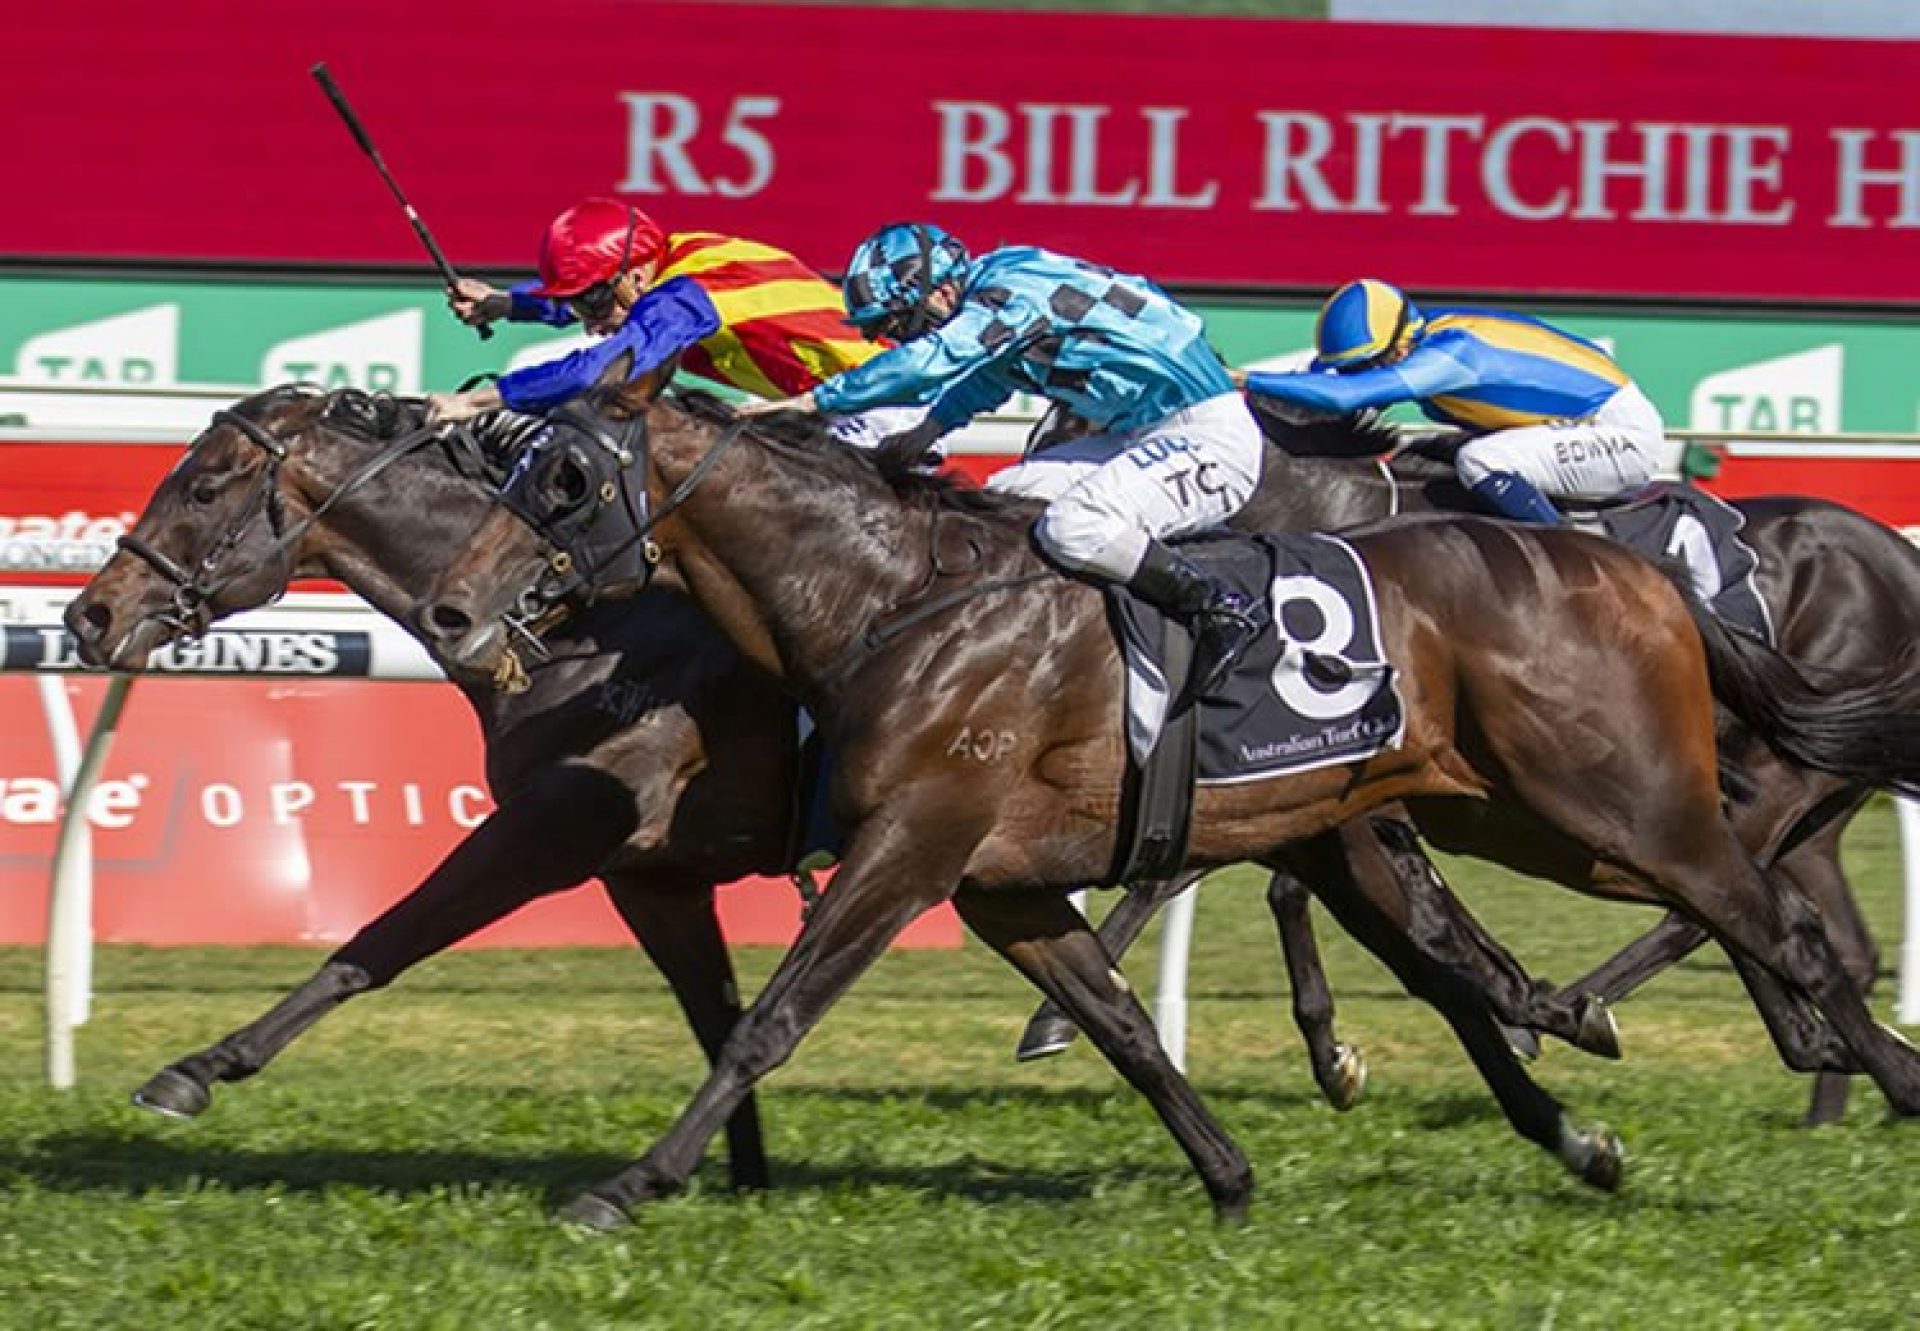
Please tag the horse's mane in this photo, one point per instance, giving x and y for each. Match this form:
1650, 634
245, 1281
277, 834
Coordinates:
805, 437
383, 417
1367, 436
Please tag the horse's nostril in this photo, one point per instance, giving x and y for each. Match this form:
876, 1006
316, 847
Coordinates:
89, 622
446, 621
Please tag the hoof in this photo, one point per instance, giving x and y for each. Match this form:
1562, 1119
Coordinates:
1524, 1043
1349, 1078
1598, 1033
1233, 1214
1230, 1204
592, 1211
1046, 1035
174, 1094
1607, 1163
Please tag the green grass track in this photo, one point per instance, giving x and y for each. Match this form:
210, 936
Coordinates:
395, 1169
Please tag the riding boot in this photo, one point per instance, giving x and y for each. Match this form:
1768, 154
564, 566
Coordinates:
1225, 623
1514, 496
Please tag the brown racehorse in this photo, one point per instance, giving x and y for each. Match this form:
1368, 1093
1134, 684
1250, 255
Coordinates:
1843, 593
1551, 679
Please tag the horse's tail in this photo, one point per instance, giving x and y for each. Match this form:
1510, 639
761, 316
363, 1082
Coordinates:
1864, 730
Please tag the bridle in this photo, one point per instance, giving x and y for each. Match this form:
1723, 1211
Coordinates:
576, 562
190, 612
607, 542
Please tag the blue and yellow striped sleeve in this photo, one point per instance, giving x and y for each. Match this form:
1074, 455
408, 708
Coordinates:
1424, 373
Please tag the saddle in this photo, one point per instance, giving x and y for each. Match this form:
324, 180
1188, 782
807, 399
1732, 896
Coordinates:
1315, 692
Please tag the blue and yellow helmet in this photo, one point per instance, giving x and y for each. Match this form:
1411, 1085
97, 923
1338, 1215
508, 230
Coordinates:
894, 271
1362, 322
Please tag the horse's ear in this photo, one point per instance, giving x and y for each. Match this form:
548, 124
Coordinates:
622, 397
614, 377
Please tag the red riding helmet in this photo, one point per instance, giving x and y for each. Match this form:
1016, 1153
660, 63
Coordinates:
595, 241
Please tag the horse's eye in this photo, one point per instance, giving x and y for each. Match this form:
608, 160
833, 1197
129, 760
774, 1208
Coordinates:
203, 491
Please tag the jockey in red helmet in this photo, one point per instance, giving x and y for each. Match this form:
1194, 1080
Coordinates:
734, 311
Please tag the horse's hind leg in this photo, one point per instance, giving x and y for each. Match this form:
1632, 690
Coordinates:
1049, 942
1049, 1030
520, 852
1778, 928
1595, 1156
1814, 868
677, 925
1339, 1068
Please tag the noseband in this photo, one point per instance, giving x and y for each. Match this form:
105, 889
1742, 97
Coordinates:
193, 592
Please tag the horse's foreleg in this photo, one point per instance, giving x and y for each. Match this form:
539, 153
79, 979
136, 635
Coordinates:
1049, 1030
1667, 942
677, 925
1596, 1156
892, 873
1048, 941
1392, 869
548, 836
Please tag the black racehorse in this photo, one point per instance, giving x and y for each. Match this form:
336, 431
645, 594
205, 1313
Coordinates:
1843, 593
643, 749
1550, 678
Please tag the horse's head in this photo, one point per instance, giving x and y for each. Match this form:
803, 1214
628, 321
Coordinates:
239, 516
575, 521
208, 542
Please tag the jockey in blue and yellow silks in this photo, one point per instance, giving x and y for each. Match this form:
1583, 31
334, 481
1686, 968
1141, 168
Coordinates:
1552, 414
1174, 448
734, 311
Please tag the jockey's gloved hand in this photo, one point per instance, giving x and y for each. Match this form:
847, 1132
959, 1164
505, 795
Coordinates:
475, 302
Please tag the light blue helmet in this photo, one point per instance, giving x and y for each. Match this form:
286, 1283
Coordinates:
894, 271
1362, 322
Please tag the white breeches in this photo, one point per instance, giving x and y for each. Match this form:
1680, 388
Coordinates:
1109, 494
1608, 454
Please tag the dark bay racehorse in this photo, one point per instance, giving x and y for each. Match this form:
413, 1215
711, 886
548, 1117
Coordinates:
1550, 677
646, 751
1843, 592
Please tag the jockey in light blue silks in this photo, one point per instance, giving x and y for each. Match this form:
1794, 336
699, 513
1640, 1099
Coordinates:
1552, 414
1174, 447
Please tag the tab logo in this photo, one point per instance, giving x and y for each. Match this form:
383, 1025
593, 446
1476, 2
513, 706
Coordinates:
1800, 393
139, 349
380, 355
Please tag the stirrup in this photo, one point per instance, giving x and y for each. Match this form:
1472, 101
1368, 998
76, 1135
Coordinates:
1240, 627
